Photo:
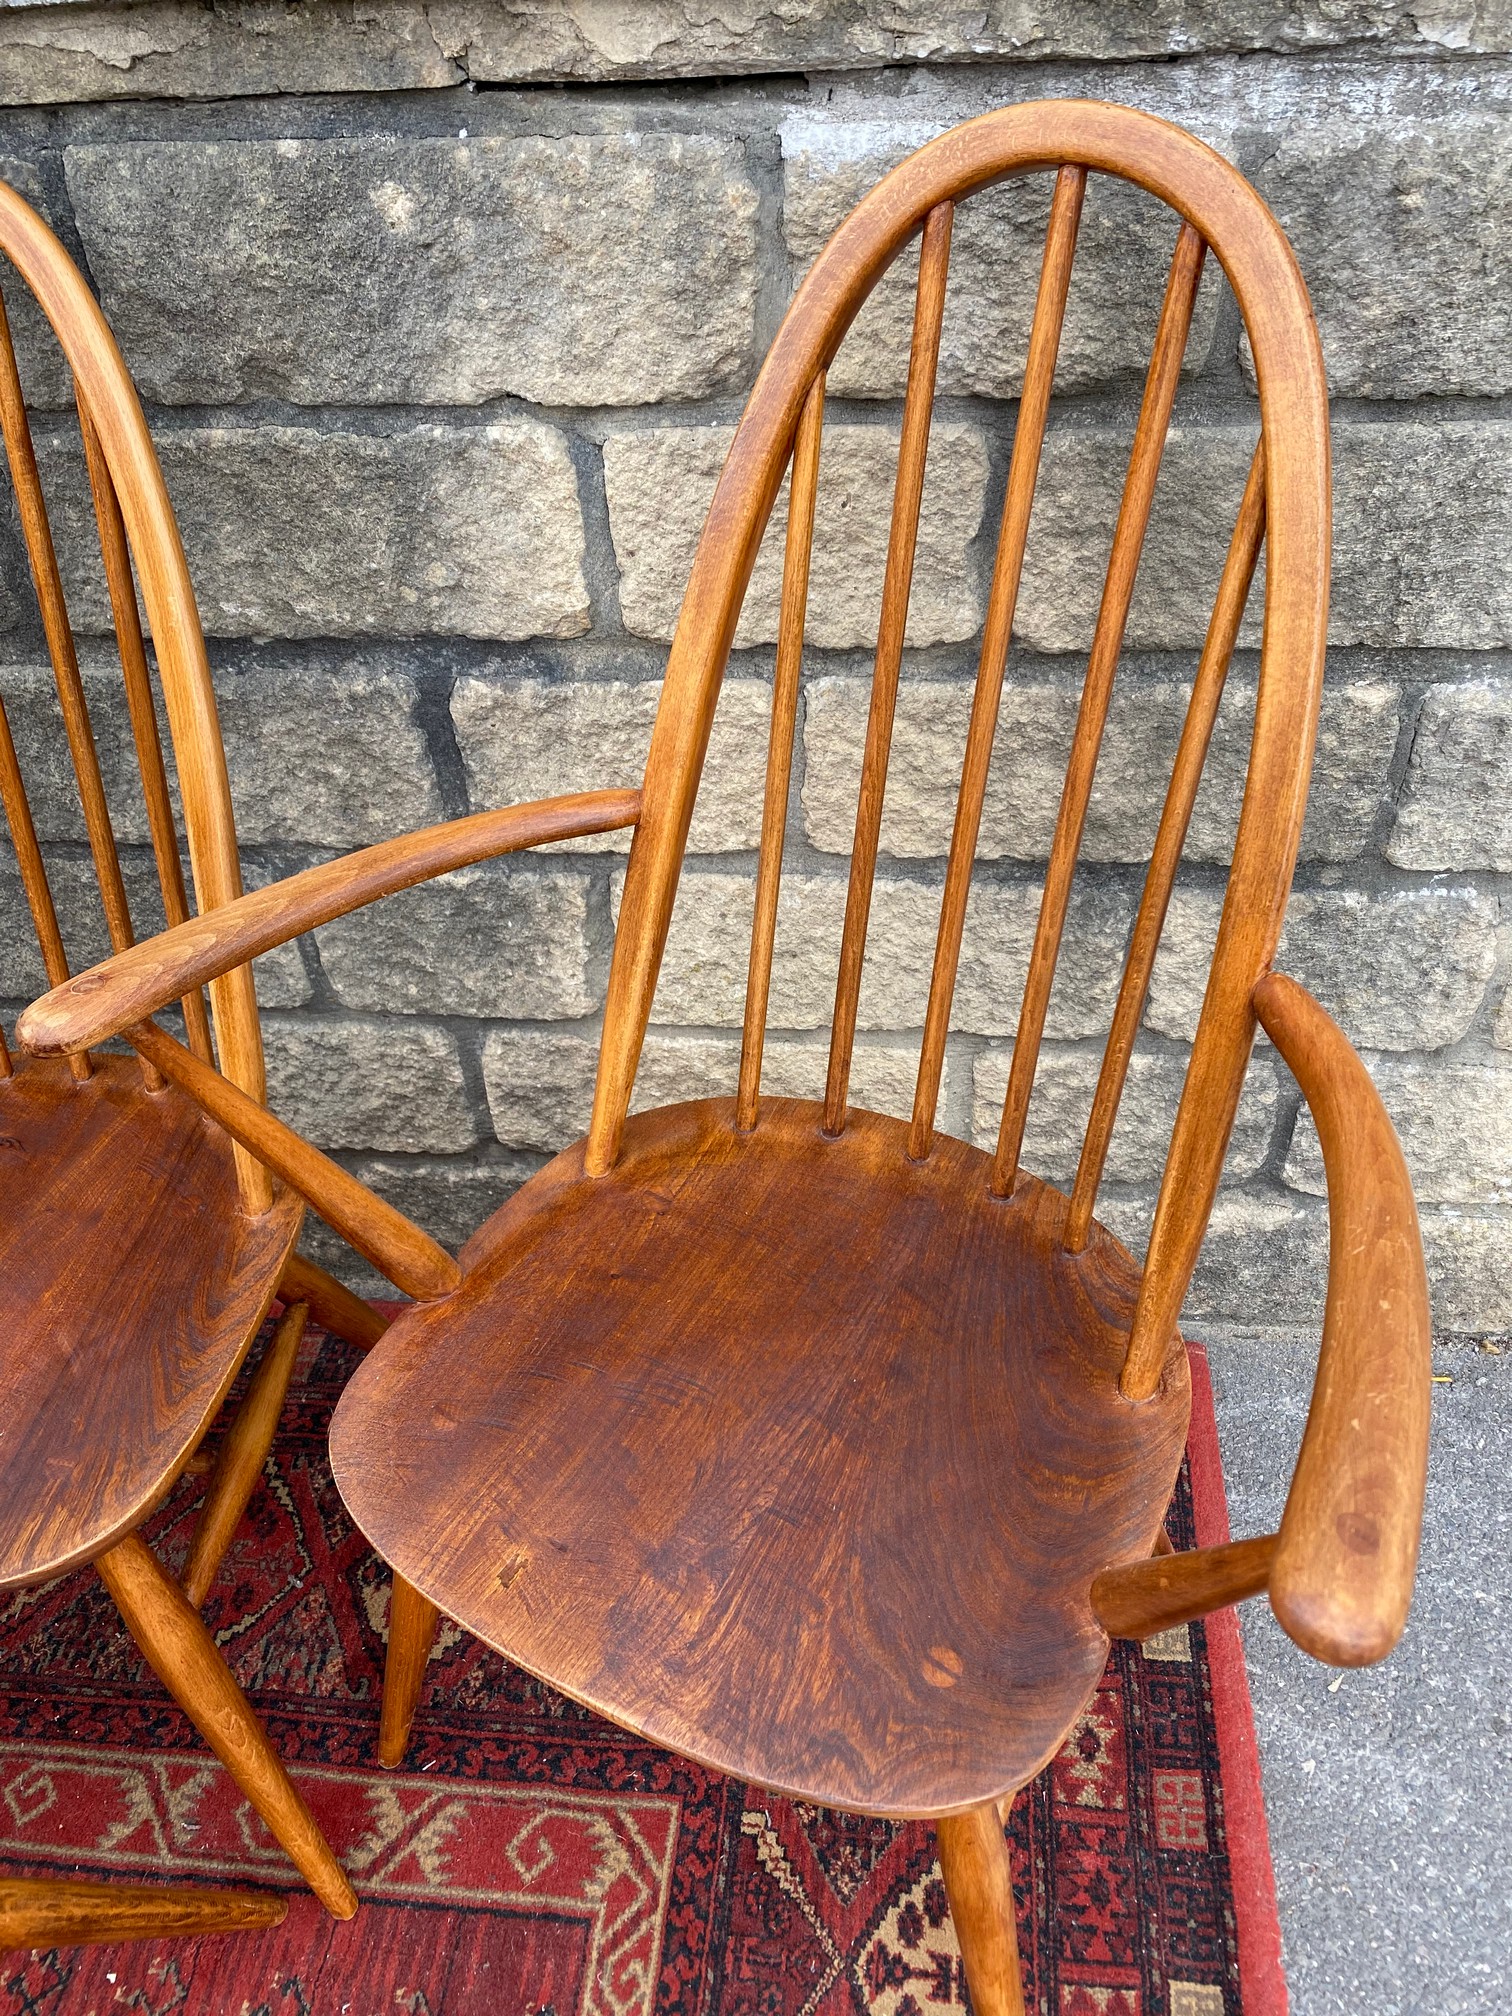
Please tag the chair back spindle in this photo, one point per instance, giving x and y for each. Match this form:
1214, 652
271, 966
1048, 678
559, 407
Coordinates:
1285, 506
897, 581
139, 546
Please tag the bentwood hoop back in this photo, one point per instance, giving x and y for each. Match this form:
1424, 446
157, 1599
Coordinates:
140, 1248
817, 1445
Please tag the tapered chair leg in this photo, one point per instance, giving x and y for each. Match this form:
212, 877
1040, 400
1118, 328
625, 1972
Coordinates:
412, 1632
180, 1650
332, 1306
242, 1456
978, 1874
43, 1912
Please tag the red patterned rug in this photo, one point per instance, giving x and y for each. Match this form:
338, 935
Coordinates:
532, 1861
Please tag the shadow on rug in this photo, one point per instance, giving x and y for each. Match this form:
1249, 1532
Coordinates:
530, 1860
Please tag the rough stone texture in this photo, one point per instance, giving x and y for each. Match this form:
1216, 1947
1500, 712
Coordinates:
1404, 231
540, 1088
189, 49
1468, 1251
703, 975
532, 738
1063, 1086
1455, 808
1404, 575
395, 1085
1453, 1117
330, 758
214, 48
1123, 250
45, 377
498, 939
30, 698
1400, 969
295, 532
1357, 735
660, 482
591, 270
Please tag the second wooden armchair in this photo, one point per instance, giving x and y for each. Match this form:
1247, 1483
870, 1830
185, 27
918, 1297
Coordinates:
813, 1444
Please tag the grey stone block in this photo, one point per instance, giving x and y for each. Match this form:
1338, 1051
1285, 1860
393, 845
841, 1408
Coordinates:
30, 698
297, 532
532, 738
327, 758
497, 939
703, 976
660, 482
1468, 1252
1453, 1116
1404, 231
540, 1083
81, 918
1264, 1260
1123, 252
450, 1200
178, 49
1404, 576
542, 40
1064, 1083
1357, 735
1401, 969
393, 1086
46, 379
1455, 809
589, 270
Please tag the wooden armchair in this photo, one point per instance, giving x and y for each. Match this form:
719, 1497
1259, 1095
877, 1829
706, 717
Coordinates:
810, 1443
139, 1250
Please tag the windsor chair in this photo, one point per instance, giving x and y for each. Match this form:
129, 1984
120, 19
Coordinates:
139, 1250
815, 1445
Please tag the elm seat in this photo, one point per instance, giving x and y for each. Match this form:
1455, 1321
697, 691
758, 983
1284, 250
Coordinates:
131, 1290
832, 1529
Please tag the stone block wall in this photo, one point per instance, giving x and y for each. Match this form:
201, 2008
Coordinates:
444, 314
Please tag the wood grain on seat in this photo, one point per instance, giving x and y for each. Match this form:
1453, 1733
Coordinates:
785, 1451
131, 1284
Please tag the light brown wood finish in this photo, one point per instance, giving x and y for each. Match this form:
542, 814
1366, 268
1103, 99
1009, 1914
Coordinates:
182, 1653
978, 1872
33, 872
1342, 1581
44, 1911
1023, 474
813, 1506
331, 1305
242, 1455
106, 999
1170, 838
1143, 1597
409, 1257
897, 581
60, 644
795, 580
413, 1619
1097, 691
144, 728
130, 1287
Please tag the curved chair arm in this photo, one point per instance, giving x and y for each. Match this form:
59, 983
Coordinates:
1342, 1579
1340, 1571
136, 983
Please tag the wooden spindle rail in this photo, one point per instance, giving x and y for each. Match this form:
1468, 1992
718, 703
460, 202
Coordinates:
32, 508
918, 405
1023, 474
115, 554
795, 582
39, 899
1107, 643
1186, 775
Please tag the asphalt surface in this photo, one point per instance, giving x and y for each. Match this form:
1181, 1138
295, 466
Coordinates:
1389, 1791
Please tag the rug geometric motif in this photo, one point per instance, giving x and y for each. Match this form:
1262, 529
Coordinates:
530, 1860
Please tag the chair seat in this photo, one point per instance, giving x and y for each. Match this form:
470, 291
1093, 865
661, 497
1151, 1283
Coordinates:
130, 1287
785, 1452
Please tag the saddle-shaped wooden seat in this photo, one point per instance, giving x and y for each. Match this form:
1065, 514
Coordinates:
131, 1286
810, 1443
783, 1450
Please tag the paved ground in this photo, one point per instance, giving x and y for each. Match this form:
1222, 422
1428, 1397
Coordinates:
1390, 1791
